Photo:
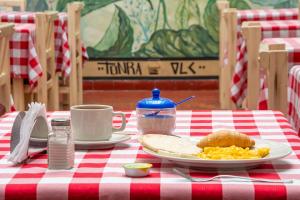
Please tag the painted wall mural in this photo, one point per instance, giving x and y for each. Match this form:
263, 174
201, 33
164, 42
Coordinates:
152, 28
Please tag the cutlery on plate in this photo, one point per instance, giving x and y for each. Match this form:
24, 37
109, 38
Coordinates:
229, 178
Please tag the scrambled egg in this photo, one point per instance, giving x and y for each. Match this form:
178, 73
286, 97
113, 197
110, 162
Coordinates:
232, 153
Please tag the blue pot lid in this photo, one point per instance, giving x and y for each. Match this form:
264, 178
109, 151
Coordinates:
155, 102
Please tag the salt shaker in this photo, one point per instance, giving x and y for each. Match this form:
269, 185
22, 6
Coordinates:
60, 145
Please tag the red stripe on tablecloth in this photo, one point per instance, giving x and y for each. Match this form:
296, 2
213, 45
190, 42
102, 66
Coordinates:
206, 191
88, 191
296, 139
204, 121
276, 192
20, 191
139, 191
263, 192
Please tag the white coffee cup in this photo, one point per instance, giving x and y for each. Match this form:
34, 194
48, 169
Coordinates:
94, 122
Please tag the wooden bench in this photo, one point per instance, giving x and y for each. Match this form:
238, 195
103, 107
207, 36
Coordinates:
73, 88
6, 31
47, 90
21, 4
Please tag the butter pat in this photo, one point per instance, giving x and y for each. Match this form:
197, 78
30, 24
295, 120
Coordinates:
137, 169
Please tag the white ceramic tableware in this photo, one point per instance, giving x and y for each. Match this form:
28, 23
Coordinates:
94, 122
277, 151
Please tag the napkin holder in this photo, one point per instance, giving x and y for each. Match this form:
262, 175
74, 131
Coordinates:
40, 128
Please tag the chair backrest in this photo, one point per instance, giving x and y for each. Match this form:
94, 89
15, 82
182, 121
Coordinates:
274, 59
10, 4
6, 31
74, 13
45, 49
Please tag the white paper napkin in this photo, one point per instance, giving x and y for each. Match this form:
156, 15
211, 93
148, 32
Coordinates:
20, 152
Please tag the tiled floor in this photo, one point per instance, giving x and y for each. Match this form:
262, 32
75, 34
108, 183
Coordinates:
127, 99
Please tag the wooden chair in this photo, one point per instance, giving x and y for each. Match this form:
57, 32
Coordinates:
21, 4
6, 30
47, 90
252, 32
74, 86
228, 42
274, 59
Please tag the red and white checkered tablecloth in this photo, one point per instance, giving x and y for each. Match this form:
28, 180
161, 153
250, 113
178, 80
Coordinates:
293, 47
261, 15
98, 174
267, 14
270, 29
294, 97
62, 49
64, 54
23, 56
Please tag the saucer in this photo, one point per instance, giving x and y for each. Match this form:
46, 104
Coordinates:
97, 144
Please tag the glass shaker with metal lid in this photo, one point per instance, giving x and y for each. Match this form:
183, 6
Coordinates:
60, 145
156, 115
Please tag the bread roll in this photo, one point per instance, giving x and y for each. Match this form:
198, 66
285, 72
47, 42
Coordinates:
226, 138
168, 144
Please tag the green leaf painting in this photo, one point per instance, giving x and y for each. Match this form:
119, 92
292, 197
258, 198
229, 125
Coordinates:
152, 28
192, 42
186, 10
36, 5
90, 5
118, 40
211, 15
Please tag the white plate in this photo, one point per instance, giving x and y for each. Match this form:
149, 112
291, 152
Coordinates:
277, 151
100, 144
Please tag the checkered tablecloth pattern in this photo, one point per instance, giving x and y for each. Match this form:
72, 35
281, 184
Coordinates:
62, 49
270, 29
267, 14
261, 15
294, 97
293, 47
23, 56
63, 46
99, 173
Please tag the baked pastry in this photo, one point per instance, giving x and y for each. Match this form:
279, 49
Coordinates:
226, 138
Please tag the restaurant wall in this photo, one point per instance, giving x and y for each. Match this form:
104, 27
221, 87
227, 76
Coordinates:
152, 28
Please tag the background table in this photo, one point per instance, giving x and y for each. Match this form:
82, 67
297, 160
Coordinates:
261, 15
23, 56
270, 29
99, 173
294, 97
62, 48
293, 48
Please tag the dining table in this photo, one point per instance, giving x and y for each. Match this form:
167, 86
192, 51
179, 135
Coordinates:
269, 29
24, 60
62, 48
292, 46
98, 174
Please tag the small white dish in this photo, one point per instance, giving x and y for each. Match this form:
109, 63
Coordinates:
137, 169
98, 144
